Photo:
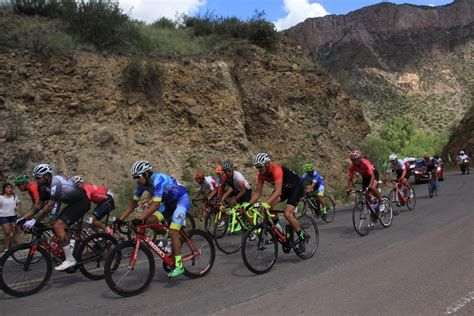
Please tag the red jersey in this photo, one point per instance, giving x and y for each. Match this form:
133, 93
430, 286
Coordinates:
32, 188
276, 173
365, 168
95, 193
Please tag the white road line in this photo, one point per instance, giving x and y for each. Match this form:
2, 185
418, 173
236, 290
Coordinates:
453, 308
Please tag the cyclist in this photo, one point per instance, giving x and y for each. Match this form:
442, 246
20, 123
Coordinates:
102, 197
218, 181
370, 177
287, 187
431, 165
54, 191
463, 158
207, 185
239, 187
317, 183
402, 169
25, 186
167, 195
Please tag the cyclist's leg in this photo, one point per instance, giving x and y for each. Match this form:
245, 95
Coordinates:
320, 195
100, 212
292, 198
179, 216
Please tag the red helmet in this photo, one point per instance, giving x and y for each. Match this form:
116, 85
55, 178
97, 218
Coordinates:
199, 176
355, 154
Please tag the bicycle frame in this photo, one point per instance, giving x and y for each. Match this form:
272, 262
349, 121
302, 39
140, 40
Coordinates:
315, 205
399, 192
141, 237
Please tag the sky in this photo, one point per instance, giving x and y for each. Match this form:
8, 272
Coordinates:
283, 13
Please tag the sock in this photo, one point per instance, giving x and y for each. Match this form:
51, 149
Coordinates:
68, 253
178, 262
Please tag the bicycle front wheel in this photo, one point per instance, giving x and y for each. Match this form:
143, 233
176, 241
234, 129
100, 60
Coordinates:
229, 238
260, 249
125, 278
309, 226
431, 188
24, 271
198, 254
328, 217
411, 201
386, 215
393, 198
92, 252
361, 219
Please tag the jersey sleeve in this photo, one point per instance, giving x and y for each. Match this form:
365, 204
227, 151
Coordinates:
55, 189
138, 193
278, 174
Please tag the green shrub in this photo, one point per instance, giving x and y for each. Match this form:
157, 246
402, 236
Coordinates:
144, 77
165, 23
262, 32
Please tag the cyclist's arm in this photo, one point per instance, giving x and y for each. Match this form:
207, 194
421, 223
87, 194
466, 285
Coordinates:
350, 181
276, 193
404, 173
226, 195
241, 193
151, 209
131, 206
45, 210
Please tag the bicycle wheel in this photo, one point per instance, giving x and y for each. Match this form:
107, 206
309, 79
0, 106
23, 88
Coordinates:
361, 219
431, 188
92, 252
309, 226
209, 222
331, 209
124, 279
234, 231
393, 198
198, 254
386, 216
260, 253
28, 275
411, 201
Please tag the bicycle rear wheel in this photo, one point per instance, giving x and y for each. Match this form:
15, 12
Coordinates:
92, 253
361, 219
26, 276
124, 279
260, 253
309, 226
386, 216
411, 201
210, 221
331, 209
230, 239
198, 254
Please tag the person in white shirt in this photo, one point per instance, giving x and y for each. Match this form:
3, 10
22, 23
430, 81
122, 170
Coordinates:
9, 205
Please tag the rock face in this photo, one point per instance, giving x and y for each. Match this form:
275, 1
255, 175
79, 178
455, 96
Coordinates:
398, 59
75, 116
462, 137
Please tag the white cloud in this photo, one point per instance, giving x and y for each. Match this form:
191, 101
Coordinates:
298, 11
151, 10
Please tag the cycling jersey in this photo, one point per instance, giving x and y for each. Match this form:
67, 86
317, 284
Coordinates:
208, 185
97, 194
237, 182
398, 168
365, 168
278, 173
315, 178
33, 191
462, 158
163, 188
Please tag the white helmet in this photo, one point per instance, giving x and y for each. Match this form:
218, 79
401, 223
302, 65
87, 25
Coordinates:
461, 152
77, 180
42, 169
261, 159
227, 165
392, 157
140, 167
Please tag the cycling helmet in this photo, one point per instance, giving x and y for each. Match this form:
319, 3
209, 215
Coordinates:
308, 167
227, 165
355, 154
261, 159
42, 169
392, 157
140, 167
461, 153
21, 179
199, 176
219, 170
77, 180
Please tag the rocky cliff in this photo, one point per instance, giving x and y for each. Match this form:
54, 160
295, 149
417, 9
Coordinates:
399, 59
462, 137
73, 113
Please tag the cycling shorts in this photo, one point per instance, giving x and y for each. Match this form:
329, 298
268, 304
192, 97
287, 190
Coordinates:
400, 172
293, 195
74, 211
320, 190
104, 208
179, 212
366, 180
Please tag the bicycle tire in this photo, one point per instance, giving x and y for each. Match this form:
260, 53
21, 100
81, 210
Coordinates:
209, 221
386, 216
394, 200
6, 272
230, 241
309, 226
411, 203
361, 218
92, 252
430, 188
266, 239
197, 266
113, 263
331, 208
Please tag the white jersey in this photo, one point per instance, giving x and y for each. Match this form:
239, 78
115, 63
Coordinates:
399, 166
208, 185
462, 157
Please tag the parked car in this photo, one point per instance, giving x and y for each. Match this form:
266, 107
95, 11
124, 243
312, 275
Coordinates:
412, 162
420, 172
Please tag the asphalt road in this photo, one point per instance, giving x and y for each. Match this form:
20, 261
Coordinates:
422, 265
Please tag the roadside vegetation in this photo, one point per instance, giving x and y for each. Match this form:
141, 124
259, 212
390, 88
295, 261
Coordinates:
60, 26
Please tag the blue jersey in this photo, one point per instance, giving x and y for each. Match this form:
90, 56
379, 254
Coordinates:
316, 178
163, 188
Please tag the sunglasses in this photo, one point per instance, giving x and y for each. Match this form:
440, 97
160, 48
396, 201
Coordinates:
259, 167
38, 178
137, 177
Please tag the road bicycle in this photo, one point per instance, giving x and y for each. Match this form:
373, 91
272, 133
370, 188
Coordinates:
310, 204
25, 269
433, 185
364, 214
259, 253
130, 267
400, 195
209, 211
